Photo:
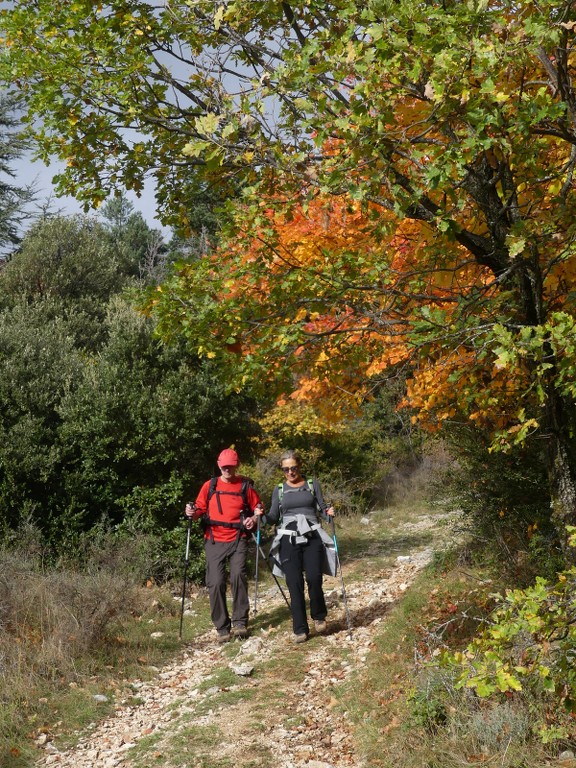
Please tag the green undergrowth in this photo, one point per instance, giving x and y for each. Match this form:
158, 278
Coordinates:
407, 705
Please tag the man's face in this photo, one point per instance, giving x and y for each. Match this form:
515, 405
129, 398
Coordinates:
228, 472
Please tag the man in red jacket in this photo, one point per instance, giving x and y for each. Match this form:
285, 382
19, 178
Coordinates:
227, 504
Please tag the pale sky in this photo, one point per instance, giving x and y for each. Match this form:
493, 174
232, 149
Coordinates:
40, 175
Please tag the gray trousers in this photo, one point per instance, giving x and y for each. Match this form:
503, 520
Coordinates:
220, 557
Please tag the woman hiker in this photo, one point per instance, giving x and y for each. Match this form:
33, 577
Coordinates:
301, 546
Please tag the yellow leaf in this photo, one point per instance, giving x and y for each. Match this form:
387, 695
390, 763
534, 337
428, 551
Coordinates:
219, 15
351, 55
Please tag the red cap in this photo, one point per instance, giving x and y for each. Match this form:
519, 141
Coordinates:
228, 458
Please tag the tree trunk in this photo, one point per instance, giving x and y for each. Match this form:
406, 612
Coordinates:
561, 475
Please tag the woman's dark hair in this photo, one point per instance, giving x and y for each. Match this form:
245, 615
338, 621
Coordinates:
294, 455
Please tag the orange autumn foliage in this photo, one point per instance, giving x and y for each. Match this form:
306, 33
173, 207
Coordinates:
355, 298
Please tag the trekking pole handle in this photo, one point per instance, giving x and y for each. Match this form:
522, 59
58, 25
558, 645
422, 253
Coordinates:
187, 555
186, 563
333, 524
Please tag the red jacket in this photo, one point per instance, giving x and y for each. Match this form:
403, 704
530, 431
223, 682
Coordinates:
226, 506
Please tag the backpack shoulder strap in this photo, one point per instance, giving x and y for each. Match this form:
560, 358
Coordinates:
212, 488
309, 482
247, 483
312, 487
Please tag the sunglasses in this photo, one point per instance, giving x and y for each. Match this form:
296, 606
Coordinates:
228, 468
290, 469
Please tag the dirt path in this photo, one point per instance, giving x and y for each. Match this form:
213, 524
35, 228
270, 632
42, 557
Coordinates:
279, 708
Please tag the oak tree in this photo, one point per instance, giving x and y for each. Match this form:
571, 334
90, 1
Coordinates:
450, 127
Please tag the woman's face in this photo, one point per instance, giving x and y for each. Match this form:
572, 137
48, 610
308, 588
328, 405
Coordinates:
291, 470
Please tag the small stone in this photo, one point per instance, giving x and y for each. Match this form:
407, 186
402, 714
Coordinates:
99, 698
244, 670
318, 764
252, 645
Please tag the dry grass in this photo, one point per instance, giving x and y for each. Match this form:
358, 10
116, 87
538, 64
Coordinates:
58, 627
57, 617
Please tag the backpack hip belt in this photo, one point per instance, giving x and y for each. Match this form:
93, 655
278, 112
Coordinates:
304, 529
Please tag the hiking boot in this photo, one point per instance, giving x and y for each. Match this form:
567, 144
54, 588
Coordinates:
240, 632
300, 638
224, 636
320, 626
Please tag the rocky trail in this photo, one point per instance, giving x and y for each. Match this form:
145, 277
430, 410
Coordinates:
250, 702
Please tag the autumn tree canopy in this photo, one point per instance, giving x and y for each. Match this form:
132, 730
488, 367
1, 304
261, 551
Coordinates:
445, 132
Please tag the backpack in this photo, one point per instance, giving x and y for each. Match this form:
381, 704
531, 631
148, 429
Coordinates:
311, 488
246, 483
208, 522
329, 565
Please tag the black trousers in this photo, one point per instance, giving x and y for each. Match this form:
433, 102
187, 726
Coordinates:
297, 560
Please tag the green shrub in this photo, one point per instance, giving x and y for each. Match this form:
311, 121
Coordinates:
98, 418
428, 706
504, 504
526, 651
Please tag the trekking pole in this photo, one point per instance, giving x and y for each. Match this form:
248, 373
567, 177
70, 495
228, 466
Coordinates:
256, 568
186, 563
263, 556
339, 565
